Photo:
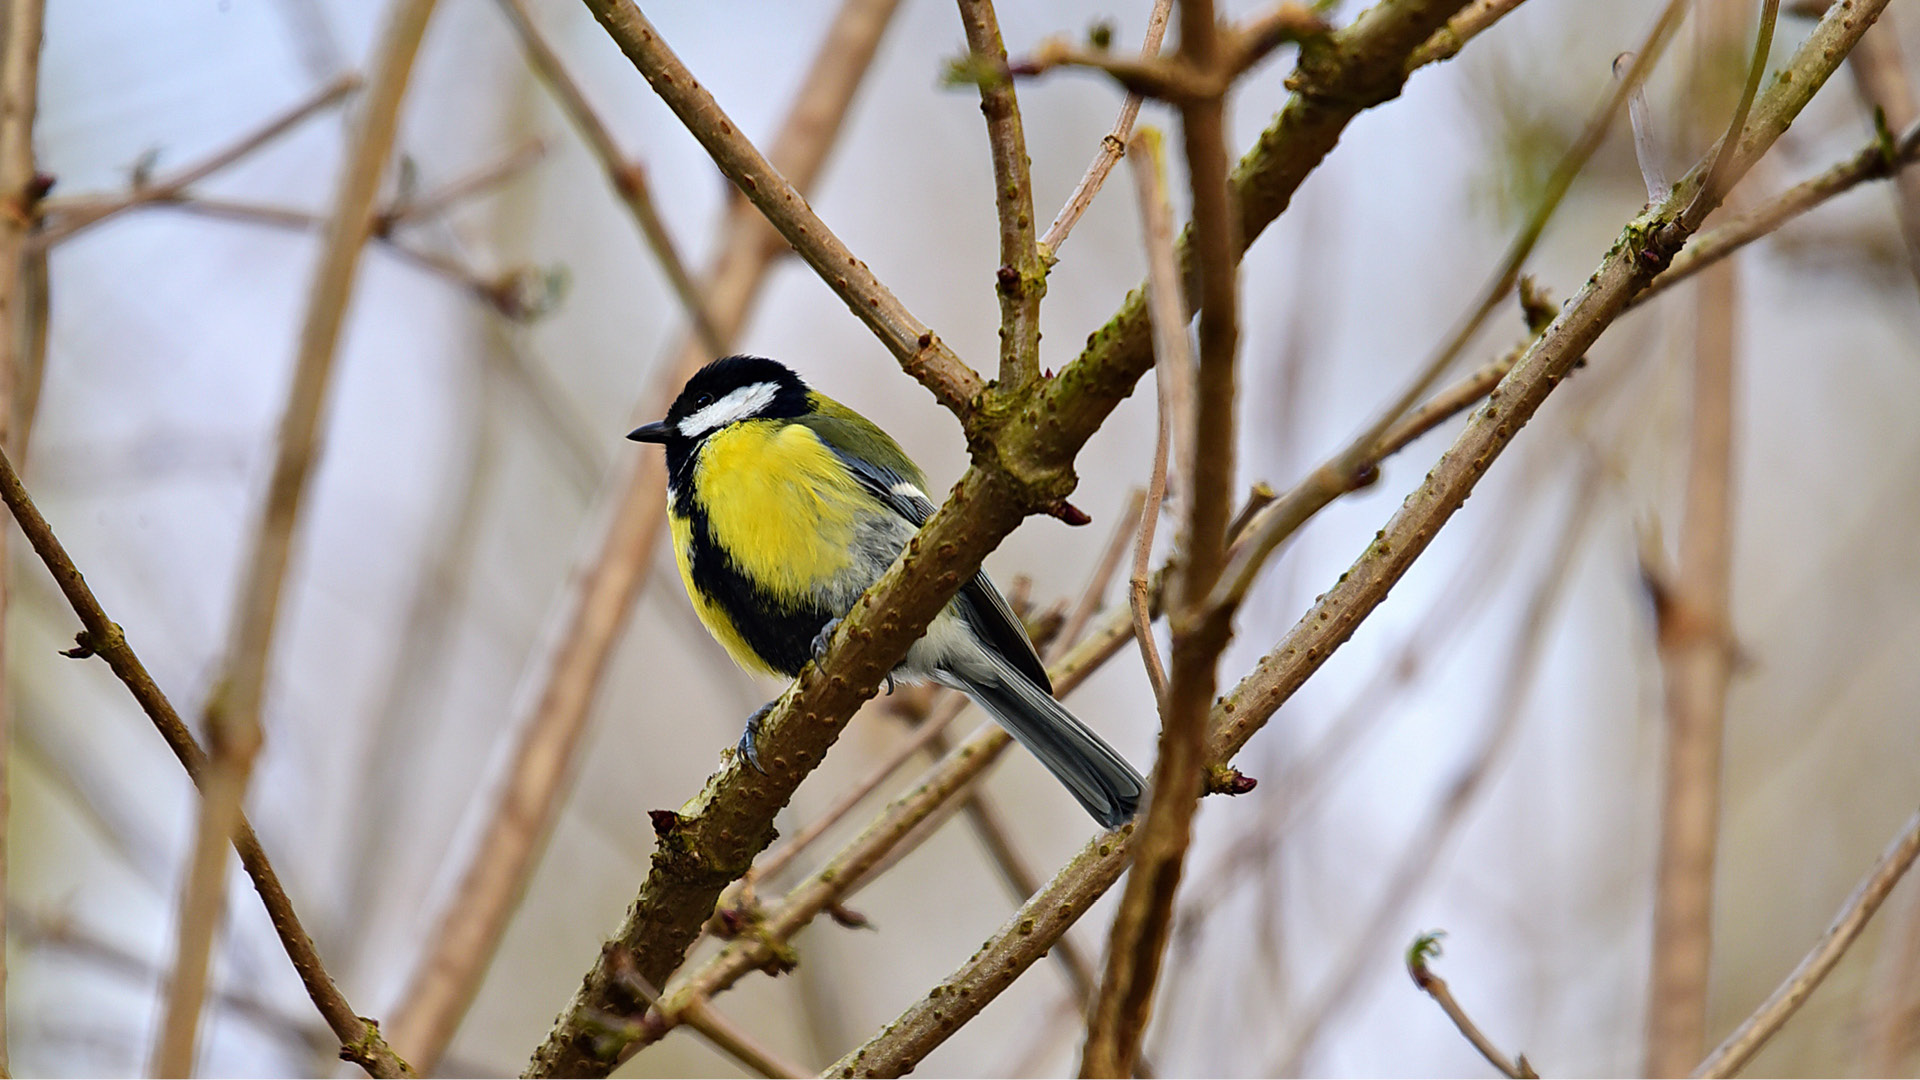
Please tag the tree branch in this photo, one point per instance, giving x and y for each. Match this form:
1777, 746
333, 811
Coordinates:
20, 319
1733, 1054
1880, 74
233, 710
1112, 145
1022, 277
65, 217
1695, 629
627, 176
1119, 1016
360, 1040
919, 350
1426, 947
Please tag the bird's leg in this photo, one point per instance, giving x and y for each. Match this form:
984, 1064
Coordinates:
748, 749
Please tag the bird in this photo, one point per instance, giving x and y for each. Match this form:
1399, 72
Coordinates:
785, 505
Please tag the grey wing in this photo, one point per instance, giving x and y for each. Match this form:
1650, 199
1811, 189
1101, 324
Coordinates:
999, 628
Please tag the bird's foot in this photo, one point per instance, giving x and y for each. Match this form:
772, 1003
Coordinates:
824, 638
748, 749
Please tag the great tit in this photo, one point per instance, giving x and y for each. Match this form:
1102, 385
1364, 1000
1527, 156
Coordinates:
785, 505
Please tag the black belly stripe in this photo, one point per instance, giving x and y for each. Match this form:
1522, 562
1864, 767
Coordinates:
779, 632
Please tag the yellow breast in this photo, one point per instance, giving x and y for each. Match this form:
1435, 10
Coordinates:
779, 503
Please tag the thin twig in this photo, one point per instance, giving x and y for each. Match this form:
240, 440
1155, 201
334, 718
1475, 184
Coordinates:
923, 737
360, 1039
1422, 852
1693, 609
1173, 382
1139, 585
509, 166
1112, 146
1279, 522
1090, 597
22, 318
1880, 74
1426, 947
69, 216
1447, 42
1022, 277
1878, 160
551, 712
1892, 1006
233, 710
1643, 247
919, 350
627, 176
1738, 1049
1713, 188
1136, 949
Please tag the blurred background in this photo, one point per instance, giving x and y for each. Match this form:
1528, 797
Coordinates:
463, 449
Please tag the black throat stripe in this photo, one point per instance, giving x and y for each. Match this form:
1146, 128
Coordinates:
778, 631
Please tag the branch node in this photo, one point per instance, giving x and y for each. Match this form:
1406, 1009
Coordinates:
1067, 512
1227, 780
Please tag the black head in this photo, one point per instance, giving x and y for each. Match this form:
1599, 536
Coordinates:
724, 392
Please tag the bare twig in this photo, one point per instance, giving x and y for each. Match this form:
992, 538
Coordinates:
1695, 634
360, 1039
1427, 947
1022, 277
1878, 160
60, 933
233, 710
1892, 1006
1714, 186
1112, 146
627, 175
20, 189
1880, 73
1447, 42
1642, 249
1422, 853
1173, 381
551, 716
1278, 523
1118, 1017
411, 210
918, 349
65, 217
1738, 1049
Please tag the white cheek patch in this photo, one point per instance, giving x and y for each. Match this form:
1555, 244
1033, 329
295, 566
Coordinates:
737, 405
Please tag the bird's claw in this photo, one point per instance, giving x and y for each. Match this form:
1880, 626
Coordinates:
748, 749
824, 638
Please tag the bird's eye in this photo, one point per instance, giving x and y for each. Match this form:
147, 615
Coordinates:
703, 401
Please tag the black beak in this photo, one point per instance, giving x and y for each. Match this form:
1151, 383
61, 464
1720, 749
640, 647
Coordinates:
657, 431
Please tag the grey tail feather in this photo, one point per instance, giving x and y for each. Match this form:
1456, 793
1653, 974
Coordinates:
1094, 772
